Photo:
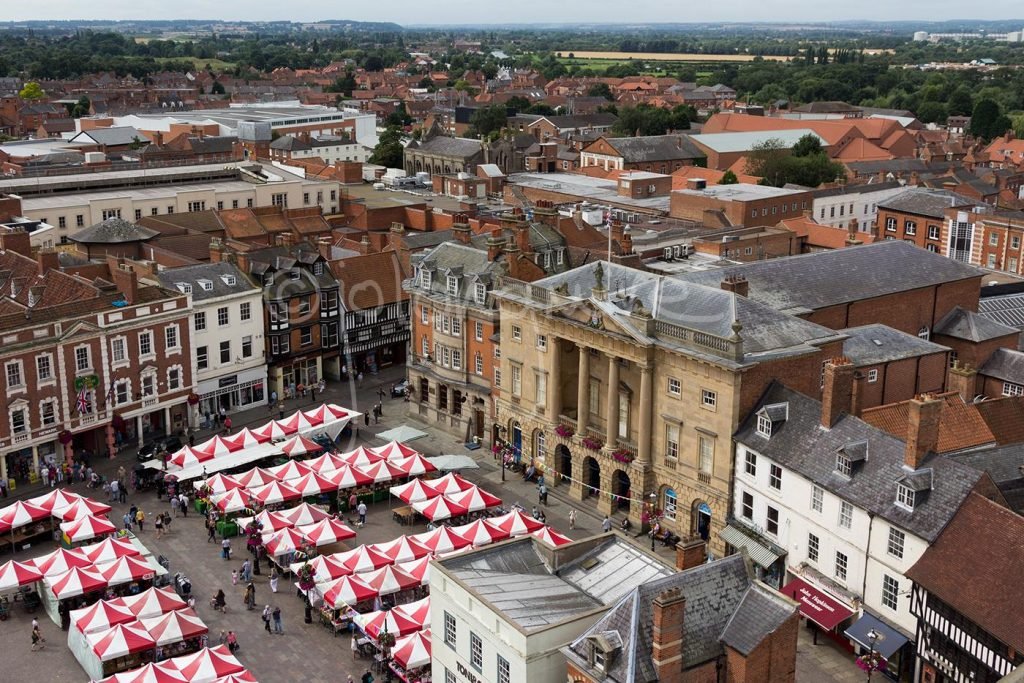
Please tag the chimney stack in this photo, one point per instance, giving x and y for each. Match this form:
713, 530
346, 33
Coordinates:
736, 284
667, 635
963, 380
837, 394
691, 552
460, 227
15, 239
323, 246
48, 259
495, 244
922, 430
126, 280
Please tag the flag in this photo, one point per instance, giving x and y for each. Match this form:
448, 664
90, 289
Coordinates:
82, 404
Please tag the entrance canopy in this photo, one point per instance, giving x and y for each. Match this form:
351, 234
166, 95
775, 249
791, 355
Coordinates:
823, 610
759, 552
888, 640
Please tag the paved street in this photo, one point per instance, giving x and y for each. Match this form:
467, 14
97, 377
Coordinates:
310, 649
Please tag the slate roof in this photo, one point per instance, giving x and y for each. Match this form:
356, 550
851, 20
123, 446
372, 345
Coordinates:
760, 612
213, 144
713, 592
874, 344
461, 148
218, 274
863, 188
647, 148
1007, 309
1004, 364
470, 263
925, 202
1005, 465
802, 445
1004, 417
290, 143
113, 231
961, 323
960, 426
598, 119
984, 541
112, 137
805, 283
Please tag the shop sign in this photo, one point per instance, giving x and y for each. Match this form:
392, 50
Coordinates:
228, 381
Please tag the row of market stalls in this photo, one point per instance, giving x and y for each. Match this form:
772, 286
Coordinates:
58, 515
208, 665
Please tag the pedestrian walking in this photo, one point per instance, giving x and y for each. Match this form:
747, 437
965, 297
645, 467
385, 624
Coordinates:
572, 518
606, 525
211, 529
140, 519
250, 596
367, 677
274, 578
232, 642
278, 626
376, 414
183, 504
234, 577
366, 419
266, 618
38, 642
361, 509
113, 492
122, 490
227, 425
225, 549
353, 501
128, 521
542, 494
246, 570
175, 503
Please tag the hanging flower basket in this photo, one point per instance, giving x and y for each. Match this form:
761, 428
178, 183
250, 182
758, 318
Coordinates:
564, 431
65, 437
624, 456
591, 443
306, 580
193, 398
386, 640
871, 662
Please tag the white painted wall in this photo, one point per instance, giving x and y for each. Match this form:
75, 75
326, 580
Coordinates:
835, 211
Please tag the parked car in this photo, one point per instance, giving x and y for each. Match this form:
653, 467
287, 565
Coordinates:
152, 449
400, 389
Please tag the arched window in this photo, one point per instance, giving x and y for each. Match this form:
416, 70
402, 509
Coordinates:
669, 505
539, 449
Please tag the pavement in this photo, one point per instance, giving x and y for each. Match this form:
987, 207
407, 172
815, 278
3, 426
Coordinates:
309, 652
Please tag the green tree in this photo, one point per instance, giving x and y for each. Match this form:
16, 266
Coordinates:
728, 178
487, 120
987, 122
806, 146
932, 112
600, 90
517, 103
389, 151
540, 108
217, 88
960, 102
31, 91
81, 107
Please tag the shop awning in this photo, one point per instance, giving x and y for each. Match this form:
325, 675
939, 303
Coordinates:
824, 611
889, 641
759, 552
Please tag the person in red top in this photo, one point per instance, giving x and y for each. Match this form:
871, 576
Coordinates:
227, 425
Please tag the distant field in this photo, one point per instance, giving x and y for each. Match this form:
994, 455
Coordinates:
664, 56
200, 63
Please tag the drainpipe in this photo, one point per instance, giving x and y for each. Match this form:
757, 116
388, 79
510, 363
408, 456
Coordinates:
867, 558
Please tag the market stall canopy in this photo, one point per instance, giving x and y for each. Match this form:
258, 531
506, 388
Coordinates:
418, 568
84, 528
148, 673
17, 574
255, 477
403, 434
284, 541
481, 533
399, 621
402, 549
451, 483
326, 531
20, 513
325, 462
412, 651
383, 471
551, 537
188, 456
84, 507
475, 499
120, 640
175, 627
218, 483
127, 569
363, 559
110, 549
393, 450
245, 438
100, 616
347, 590
361, 457
293, 469
300, 445
414, 466
516, 523
303, 514
216, 446
441, 540
388, 580
298, 422
438, 509
314, 484
275, 492
152, 601
325, 568
207, 665
272, 431
449, 463
60, 561
348, 477
232, 501
54, 502
414, 491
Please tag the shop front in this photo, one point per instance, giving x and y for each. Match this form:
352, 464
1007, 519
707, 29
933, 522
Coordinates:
291, 373
873, 634
825, 612
768, 558
237, 391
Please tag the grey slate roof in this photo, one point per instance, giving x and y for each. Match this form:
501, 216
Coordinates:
863, 188
1006, 467
213, 144
805, 283
713, 591
649, 148
461, 148
290, 143
113, 137
760, 612
1008, 309
1004, 364
279, 258
873, 344
113, 231
215, 273
963, 324
925, 202
803, 446
468, 263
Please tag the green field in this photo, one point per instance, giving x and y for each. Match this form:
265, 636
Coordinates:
215, 64
656, 68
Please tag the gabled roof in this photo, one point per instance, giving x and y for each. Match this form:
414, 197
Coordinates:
462, 148
111, 137
648, 148
223, 279
1004, 364
874, 344
983, 541
961, 323
925, 202
370, 281
960, 425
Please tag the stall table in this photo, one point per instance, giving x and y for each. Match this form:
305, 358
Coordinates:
405, 515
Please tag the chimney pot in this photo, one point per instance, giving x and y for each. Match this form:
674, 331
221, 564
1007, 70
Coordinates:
691, 552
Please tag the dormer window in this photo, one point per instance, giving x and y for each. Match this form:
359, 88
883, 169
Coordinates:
184, 287
207, 285
764, 426
453, 285
268, 279
293, 274
318, 268
229, 280
425, 279
599, 658
843, 464
905, 496
480, 292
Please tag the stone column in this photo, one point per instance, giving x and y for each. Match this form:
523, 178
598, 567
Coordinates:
612, 407
167, 421
111, 440
138, 430
583, 392
643, 451
555, 381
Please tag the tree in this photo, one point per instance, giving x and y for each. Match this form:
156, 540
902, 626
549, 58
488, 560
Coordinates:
81, 107
487, 120
389, 151
932, 112
32, 91
217, 88
399, 117
778, 166
807, 145
517, 103
728, 178
540, 108
960, 102
600, 90
987, 122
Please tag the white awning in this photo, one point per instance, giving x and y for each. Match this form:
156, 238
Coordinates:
760, 553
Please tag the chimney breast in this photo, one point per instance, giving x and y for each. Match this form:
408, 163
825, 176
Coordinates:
691, 552
963, 380
837, 394
922, 430
667, 635
736, 284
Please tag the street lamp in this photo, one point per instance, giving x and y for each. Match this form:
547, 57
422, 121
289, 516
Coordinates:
501, 450
874, 637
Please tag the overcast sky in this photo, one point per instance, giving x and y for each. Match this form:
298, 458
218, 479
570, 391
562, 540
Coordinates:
520, 11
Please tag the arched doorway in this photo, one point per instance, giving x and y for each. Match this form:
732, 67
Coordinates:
591, 477
620, 487
563, 462
517, 441
700, 519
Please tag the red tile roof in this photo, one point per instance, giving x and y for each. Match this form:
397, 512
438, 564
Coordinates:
960, 425
977, 567
371, 280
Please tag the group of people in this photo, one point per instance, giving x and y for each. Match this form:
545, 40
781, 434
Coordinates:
273, 616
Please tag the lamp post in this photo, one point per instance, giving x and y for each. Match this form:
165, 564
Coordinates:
501, 450
873, 638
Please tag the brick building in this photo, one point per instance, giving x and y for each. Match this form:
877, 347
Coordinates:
738, 204
917, 216
654, 153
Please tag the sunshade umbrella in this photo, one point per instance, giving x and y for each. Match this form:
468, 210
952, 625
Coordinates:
275, 492
363, 559
414, 465
393, 450
451, 483
440, 508
255, 477
475, 499
153, 601
481, 533
326, 531
175, 627
284, 541
100, 616
390, 579
551, 537
120, 640
313, 484
190, 456
83, 507
149, 673
54, 501
300, 445
516, 523
325, 568
110, 549
60, 561
414, 491
348, 590
233, 500
16, 574
441, 540
219, 483
126, 569
77, 581
292, 469
325, 462
271, 431
303, 514
412, 651
19, 514
207, 665
402, 549
84, 528
361, 457
420, 569
245, 438
383, 471
349, 477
